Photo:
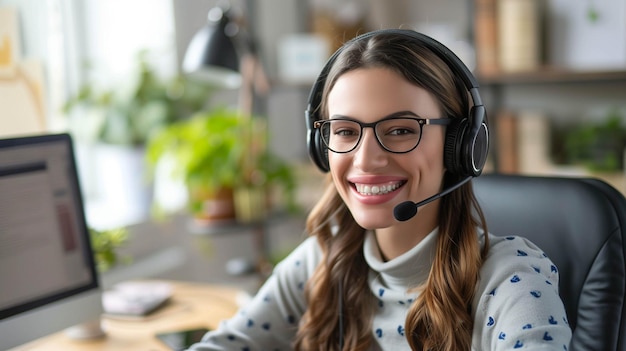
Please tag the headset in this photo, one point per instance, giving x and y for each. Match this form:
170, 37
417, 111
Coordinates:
467, 138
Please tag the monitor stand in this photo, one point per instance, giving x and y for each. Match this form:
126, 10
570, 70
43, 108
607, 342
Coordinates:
87, 330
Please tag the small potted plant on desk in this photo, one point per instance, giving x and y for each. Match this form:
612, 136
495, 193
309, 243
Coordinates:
105, 245
221, 157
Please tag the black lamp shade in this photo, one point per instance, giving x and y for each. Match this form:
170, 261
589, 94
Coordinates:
212, 58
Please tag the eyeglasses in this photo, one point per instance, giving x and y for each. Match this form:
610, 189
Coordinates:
394, 134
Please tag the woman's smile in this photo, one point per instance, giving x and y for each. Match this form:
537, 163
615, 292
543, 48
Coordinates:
374, 189
377, 189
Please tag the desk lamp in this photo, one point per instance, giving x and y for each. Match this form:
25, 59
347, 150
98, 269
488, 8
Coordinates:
221, 54
211, 56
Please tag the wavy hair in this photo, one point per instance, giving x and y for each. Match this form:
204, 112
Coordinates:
340, 304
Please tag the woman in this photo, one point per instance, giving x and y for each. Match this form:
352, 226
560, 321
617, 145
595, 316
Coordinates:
364, 280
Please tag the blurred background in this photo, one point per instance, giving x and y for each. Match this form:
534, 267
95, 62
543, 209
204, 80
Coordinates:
162, 143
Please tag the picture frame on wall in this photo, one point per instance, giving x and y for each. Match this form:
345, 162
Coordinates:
587, 34
21, 82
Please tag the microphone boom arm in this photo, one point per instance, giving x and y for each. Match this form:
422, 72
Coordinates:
408, 209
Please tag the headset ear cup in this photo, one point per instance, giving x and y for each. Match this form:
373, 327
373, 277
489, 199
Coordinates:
453, 145
320, 152
477, 143
465, 149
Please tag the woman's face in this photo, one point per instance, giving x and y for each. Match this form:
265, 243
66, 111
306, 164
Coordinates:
369, 95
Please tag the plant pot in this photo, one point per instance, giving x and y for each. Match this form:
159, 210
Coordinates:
213, 206
116, 184
251, 204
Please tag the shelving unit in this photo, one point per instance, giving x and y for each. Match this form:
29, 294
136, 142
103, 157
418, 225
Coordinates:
550, 88
552, 75
554, 79
524, 107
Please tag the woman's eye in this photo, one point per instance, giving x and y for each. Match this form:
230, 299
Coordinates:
400, 131
345, 132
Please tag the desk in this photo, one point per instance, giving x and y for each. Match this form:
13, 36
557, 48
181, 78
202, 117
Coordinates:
192, 305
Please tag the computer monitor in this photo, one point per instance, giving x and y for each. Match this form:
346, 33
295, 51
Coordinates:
48, 279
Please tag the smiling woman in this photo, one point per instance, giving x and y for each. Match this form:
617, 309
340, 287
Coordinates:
391, 119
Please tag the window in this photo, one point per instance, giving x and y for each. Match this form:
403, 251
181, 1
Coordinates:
96, 42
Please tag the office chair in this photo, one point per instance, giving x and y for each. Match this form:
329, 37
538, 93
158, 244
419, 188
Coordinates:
580, 223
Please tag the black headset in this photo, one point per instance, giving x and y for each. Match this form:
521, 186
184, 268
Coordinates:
467, 139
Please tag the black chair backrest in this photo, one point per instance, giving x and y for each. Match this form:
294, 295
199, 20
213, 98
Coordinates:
580, 223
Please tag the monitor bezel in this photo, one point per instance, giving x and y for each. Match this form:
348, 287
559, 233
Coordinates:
86, 245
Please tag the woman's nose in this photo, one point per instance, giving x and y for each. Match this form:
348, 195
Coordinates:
369, 155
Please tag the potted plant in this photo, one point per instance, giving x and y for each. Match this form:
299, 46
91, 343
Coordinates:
131, 111
218, 154
105, 245
114, 124
598, 146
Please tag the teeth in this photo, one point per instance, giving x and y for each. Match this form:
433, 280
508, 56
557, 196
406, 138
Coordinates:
380, 189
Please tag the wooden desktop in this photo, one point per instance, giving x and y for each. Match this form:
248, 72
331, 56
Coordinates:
192, 305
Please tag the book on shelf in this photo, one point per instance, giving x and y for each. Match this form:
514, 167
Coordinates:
523, 142
519, 35
534, 143
486, 35
506, 134
508, 35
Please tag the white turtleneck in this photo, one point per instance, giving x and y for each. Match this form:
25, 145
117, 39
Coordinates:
516, 302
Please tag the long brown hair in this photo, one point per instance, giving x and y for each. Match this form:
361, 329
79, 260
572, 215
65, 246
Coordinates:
340, 304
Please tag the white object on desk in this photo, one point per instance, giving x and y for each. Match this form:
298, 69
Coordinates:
136, 298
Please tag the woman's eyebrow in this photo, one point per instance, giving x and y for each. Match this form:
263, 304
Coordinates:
401, 114
392, 115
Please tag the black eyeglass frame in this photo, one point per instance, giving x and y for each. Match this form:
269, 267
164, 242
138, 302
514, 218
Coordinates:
421, 121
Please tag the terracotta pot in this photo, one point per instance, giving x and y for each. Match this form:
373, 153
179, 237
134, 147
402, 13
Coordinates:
213, 206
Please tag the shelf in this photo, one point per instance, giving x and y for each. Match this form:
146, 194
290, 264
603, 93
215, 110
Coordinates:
199, 227
547, 75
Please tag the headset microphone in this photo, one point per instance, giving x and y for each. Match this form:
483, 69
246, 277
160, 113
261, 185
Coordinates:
408, 209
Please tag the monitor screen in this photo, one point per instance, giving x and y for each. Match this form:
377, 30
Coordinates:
48, 279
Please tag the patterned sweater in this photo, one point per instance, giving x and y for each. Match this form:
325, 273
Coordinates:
516, 305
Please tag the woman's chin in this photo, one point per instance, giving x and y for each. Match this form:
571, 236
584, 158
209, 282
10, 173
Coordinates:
371, 220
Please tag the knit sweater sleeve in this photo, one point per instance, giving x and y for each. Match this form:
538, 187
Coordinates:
269, 321
517, 304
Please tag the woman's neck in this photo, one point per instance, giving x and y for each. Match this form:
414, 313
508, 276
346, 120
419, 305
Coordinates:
400, 238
